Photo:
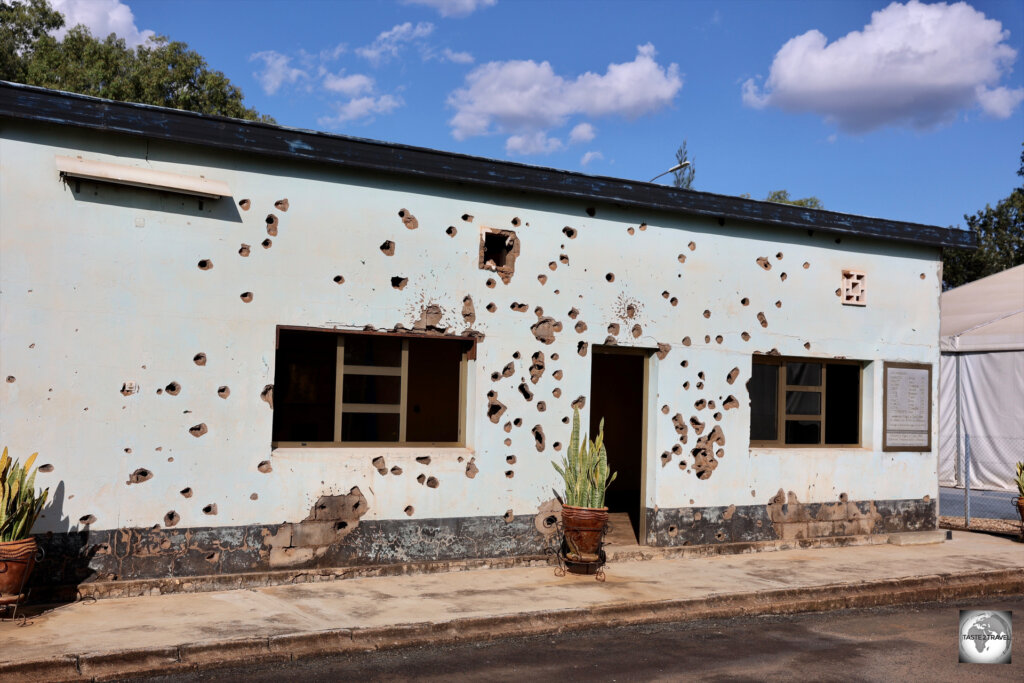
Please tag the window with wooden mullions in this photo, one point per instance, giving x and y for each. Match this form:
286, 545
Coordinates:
804, 402
368, 389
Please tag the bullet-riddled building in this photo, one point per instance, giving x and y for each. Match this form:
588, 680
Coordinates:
240, 347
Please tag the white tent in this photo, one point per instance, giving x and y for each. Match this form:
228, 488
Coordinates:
981, 381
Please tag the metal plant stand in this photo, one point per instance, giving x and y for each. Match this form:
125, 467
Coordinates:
559, 547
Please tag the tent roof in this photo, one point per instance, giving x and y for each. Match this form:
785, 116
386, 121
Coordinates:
985, 315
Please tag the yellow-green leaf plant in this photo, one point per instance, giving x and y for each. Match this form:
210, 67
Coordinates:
19, 504
1020, 479
584, 469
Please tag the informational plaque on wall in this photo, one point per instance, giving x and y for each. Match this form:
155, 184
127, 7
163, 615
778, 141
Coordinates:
907, 407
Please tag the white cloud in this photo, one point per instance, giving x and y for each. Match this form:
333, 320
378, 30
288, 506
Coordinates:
532, 143
453, 8
387, 44
590, 156
276, 71
350, 85
456, 57
524, 98
914, 64
582, 132
362, 108
101, 17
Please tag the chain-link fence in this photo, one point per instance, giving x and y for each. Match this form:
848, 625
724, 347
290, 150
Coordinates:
985, 480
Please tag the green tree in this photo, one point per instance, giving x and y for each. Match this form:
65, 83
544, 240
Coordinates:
161, 72
1000, 233
683, 178
782, 197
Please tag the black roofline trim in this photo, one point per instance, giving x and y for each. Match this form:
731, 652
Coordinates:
173, 125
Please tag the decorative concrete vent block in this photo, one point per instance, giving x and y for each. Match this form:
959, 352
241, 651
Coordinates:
854, 293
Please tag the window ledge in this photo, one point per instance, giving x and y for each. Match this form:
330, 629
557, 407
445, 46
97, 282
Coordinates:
812, 450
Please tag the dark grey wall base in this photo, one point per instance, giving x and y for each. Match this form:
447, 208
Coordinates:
786, 518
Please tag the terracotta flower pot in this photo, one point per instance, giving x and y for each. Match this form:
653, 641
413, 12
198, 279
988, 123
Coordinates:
17, 559
584, 529
1020, 511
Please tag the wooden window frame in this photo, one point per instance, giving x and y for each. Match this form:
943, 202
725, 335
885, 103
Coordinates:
782, 387
382, 408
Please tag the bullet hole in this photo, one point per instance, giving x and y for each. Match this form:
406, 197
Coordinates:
271, 225
730, 402
636, 331
186, 492
538, 437
552, 265
673, 530
173, 388
697, 425
409, 510
544, 330
244, 204
838, 293
508, 370
569, 232
700, 404
563, 259
783, 276
610, 277
630, 230
519, 308
171, 518
764, 262
399, 282
205, 264
388, 248
591, 211
423, 459
541, 407
246, 297
421, 478
508, 516
537, 367
761, 319
556, 392
495, 408
718, 417
244, 250
508, 442
509, 474
468, 311
679, 423
707, 338
700, 374
666, 458
525, 391
267, 243
210, 509
542, 278
808, 265
432, 482
778, 304
922, 274
677, 449
719, 339
223, 391
471, 468
700, 385
468, 218
408, 219
138, 476
46, 468
198, 430
379, 465
581, 348
490, 283
491, 308
686, 341
745, 336
692, 246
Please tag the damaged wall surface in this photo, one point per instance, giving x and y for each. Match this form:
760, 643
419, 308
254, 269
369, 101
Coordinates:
139, 330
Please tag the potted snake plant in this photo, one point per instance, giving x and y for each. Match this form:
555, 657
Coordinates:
1019, 500
19, 508
584, 471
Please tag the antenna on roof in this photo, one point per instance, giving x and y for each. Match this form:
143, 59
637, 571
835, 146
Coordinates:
677, 167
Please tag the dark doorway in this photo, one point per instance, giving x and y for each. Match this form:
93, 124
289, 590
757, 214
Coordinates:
617, 395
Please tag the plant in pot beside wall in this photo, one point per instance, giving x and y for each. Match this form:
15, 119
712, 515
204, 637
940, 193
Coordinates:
19, 509
585, 473
1019, 500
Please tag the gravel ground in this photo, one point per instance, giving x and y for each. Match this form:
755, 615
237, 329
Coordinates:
996, 526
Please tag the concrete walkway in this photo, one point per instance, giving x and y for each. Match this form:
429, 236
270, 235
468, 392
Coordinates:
117, 637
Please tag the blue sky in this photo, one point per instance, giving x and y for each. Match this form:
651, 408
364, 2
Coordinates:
907, 111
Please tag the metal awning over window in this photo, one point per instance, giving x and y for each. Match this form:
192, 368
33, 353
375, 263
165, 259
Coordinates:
119, 174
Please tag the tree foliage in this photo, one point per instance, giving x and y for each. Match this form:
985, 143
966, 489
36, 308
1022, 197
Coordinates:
1000, 233
683, 178
782, 197
161, 72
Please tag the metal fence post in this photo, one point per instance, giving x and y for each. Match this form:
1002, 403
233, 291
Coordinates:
967, 479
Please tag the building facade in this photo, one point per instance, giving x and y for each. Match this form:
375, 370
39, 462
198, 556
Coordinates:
239, 347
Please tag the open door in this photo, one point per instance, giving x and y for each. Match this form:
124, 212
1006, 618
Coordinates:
618, 389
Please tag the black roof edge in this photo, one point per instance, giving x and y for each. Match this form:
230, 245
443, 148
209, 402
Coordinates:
252, 137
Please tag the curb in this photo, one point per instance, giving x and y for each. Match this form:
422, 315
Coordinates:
213, 654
